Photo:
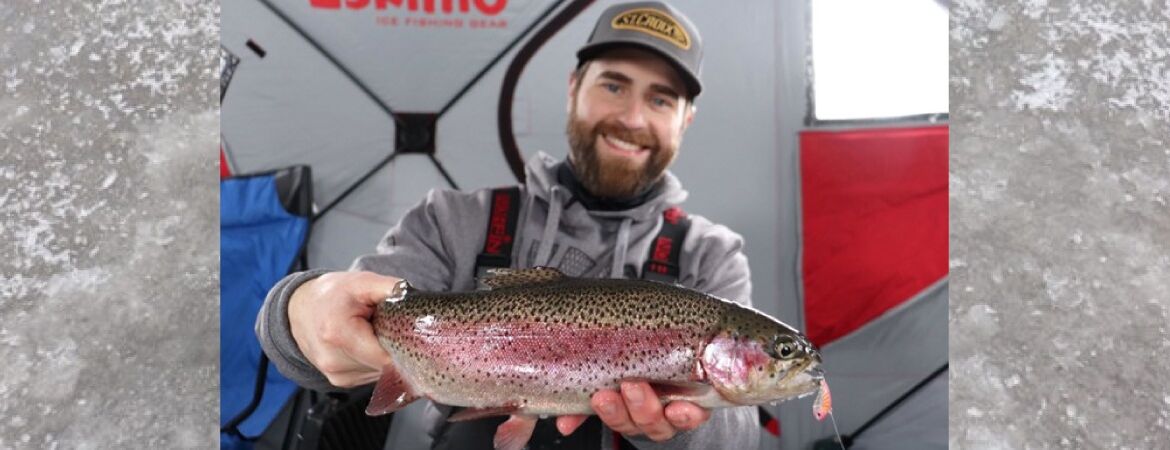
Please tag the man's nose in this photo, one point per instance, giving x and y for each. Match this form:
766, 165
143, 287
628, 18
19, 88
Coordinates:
633, 116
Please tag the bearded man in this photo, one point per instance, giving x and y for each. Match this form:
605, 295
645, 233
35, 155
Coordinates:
602, 212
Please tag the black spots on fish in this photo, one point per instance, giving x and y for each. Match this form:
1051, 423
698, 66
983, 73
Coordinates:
653, 318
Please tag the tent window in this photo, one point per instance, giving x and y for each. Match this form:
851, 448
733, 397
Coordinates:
879, 60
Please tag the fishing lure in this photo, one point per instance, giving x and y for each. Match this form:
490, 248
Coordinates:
824, 402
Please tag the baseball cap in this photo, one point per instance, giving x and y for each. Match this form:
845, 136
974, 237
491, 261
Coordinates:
654, 26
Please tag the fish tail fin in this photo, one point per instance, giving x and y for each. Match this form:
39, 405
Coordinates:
391, 393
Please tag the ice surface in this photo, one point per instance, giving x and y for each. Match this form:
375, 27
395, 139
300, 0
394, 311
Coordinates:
108, 205
1060, 174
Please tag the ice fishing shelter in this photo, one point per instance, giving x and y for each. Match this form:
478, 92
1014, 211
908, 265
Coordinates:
386, 99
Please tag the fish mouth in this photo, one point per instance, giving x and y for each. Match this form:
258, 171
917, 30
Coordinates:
813, 365
814, 370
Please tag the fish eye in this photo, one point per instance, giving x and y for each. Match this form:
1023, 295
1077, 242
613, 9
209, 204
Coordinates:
782, 348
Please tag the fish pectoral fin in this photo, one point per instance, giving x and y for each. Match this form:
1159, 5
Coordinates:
479, 413
676, 389
390, 394
502, 278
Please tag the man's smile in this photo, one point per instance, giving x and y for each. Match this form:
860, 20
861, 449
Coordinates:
625, 148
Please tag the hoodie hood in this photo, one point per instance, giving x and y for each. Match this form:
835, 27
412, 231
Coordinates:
565, 217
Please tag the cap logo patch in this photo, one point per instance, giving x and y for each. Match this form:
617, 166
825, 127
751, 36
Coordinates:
655, 23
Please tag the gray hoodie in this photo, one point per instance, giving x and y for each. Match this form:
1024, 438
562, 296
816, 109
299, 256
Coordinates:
435, 246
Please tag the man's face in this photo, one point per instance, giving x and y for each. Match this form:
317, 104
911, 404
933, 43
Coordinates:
627, 113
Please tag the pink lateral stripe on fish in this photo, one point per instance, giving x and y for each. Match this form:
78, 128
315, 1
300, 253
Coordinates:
541, 343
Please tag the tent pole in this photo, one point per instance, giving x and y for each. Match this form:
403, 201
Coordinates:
500, 56
512, 78
353, 187
443, 171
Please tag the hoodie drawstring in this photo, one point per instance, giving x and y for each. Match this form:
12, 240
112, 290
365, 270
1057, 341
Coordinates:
619, 251
544, 254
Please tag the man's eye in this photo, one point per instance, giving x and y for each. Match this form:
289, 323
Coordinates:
660, 102
612, 87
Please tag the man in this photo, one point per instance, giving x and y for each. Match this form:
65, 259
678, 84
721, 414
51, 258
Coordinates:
596, 214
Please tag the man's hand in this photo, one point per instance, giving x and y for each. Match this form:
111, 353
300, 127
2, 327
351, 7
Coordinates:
636, 411
329, 317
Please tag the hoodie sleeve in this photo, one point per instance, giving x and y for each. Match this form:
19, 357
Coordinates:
275, 336
417, 249
713, 262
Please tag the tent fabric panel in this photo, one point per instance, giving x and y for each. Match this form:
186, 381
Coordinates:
920, 422
414, 59
293, 106
259, 241
358, 224
879, 362
874, 222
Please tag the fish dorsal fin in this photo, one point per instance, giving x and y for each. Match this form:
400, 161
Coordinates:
503, 278
399, 292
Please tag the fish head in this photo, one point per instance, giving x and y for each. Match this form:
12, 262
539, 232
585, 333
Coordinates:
760, 365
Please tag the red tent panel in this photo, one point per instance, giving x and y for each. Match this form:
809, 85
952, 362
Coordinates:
874, 215
224, 170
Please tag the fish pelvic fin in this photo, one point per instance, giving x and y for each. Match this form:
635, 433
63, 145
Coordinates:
504, 278
479, 413
514, 433
390, 394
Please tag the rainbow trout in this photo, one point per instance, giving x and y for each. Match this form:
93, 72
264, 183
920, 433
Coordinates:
538, 342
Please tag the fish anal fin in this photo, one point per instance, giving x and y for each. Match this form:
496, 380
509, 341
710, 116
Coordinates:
503, 278
390, 394
479, 413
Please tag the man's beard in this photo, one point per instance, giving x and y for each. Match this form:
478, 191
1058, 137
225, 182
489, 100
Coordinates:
612, 177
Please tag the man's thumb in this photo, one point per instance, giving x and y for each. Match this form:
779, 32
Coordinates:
372, 288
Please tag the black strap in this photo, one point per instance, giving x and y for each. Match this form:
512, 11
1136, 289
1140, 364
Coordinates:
232, 426
662, 262
501, 230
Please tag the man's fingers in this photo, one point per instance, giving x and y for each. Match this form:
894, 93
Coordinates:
351, 378
568, 424
686, 415
362, 345
611, 409
329, 317
646, 410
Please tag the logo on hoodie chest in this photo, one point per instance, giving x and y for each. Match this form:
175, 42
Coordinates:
498, 236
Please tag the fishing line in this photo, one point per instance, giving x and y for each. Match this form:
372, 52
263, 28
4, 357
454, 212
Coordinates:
841, 441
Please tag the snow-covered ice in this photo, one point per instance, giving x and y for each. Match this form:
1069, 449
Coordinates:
108, 205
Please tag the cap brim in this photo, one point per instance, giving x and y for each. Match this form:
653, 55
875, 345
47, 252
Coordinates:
588, 52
